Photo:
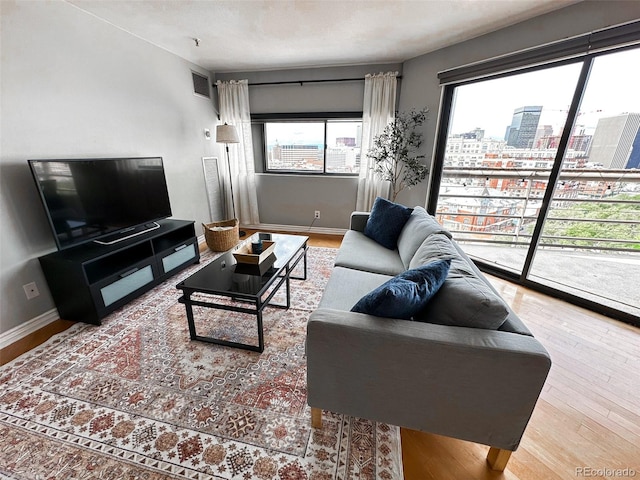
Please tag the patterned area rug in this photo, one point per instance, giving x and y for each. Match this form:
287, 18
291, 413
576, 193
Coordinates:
135, 398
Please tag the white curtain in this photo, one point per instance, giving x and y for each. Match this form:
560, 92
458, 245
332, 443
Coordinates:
233, 98
378, 110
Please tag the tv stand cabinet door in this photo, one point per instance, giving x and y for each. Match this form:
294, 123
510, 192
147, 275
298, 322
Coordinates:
117, 290
172, 260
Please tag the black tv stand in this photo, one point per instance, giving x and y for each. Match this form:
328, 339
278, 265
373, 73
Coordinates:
90, 281
128, 233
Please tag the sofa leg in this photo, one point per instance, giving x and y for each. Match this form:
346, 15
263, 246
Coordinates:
498, 458
316, 417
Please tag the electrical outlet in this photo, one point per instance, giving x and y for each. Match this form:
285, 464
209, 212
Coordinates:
31, 290
316, 214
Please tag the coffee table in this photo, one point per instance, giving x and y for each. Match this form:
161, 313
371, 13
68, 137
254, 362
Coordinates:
250, 287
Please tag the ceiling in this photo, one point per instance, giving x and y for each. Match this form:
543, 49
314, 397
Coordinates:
248, 35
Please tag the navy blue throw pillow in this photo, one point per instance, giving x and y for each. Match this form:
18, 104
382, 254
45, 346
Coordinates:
406, 294
386, 221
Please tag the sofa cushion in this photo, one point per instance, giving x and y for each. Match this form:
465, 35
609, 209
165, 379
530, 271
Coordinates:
359, 252
465, 299
437, 246
386, 222
346, 286
419, 226
406, 294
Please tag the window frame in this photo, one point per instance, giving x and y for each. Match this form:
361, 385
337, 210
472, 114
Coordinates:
301, 117
441, 139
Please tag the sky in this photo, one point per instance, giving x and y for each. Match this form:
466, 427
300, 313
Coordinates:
612, 89
309, 133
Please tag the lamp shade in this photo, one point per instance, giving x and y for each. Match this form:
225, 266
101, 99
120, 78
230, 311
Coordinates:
226, 134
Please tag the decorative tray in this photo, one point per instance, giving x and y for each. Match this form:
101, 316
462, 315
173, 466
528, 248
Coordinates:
244, 255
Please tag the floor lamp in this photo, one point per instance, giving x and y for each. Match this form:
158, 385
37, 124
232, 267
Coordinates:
228, 134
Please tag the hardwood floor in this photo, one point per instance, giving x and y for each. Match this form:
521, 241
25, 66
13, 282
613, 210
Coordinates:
587, 418
586, 422
315, 239
33, 340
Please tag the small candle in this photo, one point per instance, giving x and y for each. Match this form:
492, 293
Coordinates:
256, 247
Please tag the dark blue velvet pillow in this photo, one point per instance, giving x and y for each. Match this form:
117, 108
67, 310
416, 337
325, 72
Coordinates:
406, 294
386, 221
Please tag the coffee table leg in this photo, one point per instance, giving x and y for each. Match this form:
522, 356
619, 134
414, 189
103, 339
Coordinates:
190, 321
305, 262
304, 259
259, 324
260, 333
288, 286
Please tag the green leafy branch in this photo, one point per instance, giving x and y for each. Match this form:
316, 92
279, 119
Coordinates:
395, 152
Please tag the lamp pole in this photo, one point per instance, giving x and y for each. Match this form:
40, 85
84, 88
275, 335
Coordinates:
228, 134
233, 202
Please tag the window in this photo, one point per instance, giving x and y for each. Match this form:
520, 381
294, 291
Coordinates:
328, 146
555, 202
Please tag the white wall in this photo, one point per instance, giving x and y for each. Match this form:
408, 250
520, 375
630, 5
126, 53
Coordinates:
308, 97
293, 199
74, 86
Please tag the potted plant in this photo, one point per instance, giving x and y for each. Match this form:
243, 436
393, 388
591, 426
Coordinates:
395, 152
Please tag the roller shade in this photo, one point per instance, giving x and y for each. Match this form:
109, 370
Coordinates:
588, 43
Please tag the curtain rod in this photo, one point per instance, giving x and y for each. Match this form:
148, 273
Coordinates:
302, 82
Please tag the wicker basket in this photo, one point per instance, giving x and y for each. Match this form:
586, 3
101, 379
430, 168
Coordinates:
221, 240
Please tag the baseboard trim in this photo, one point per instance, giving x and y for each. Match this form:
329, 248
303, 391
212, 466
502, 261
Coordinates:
296, 228
31, 326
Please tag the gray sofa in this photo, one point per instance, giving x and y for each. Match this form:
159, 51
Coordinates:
465, 367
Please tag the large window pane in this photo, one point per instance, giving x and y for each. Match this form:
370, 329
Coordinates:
295, 146
343, 146
499, 155
319, 146
591, 238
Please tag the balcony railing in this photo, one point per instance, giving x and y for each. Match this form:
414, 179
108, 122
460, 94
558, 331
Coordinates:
589, 246
503, 205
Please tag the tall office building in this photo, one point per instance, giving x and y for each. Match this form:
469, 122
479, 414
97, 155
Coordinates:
634, 158
616, 142
524, 124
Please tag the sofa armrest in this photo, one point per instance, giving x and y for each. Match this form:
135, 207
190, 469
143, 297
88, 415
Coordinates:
358, 221
472, 384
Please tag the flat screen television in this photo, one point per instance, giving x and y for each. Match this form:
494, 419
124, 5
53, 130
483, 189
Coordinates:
103, 200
